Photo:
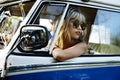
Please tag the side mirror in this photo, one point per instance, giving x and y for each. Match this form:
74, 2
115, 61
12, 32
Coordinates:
33, 37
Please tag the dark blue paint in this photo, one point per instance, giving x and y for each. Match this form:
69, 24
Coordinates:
105, 73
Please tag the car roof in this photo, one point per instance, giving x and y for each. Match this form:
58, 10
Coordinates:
107, 2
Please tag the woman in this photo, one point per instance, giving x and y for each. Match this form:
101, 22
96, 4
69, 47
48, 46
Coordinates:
70, 41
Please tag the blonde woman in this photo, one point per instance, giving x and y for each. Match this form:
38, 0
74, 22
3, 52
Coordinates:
70, 41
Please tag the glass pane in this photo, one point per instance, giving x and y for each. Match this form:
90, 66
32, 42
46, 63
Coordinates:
10, 19
50, 14
104, 37
49, 17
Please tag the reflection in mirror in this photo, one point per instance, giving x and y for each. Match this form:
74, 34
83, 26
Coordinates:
33, 37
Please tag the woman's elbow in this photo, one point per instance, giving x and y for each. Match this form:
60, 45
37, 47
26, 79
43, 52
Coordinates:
58, 57
58, 54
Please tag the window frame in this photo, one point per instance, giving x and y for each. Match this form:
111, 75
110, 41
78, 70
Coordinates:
68, 4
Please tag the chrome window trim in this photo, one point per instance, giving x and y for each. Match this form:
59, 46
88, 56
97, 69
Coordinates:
91, 4
58, 28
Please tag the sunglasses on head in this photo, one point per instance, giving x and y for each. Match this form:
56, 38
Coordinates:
76, 24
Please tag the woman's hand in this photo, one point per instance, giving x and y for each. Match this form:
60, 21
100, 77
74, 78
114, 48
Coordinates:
71, 52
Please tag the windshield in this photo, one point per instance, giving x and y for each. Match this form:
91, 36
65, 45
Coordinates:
10, 19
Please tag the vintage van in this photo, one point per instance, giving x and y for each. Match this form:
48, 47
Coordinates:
25, 56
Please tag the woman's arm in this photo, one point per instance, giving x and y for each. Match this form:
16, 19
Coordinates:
71, 52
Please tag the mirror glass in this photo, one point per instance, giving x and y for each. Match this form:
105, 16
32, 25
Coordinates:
33, 37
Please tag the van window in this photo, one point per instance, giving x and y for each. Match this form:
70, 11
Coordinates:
102, 33
10, 19
49, 17
104, 36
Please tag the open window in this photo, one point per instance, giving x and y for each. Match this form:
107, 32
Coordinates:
102, 31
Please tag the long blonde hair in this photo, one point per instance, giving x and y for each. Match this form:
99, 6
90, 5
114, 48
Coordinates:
64, 37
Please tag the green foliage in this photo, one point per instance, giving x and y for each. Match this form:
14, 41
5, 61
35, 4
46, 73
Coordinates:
7, 27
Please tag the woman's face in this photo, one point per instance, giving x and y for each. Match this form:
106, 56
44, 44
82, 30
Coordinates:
75, 32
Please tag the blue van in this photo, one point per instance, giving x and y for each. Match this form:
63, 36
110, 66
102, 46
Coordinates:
24, 55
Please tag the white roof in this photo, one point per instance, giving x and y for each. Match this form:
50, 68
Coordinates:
112, 2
